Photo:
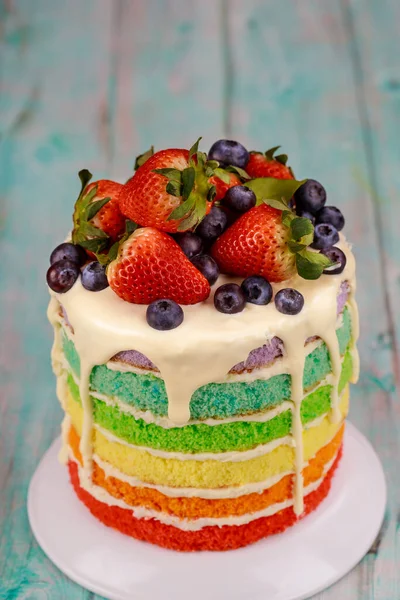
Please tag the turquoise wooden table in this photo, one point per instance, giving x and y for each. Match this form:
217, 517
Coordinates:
91, 84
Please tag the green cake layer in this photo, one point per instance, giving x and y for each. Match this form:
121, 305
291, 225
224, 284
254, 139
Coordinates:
214, 400
239, 435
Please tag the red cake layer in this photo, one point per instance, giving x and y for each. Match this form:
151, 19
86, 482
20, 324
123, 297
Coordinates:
227, 537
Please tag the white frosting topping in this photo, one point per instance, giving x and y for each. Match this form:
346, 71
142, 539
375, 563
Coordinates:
206, 346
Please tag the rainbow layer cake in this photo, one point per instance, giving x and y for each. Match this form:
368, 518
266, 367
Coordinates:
205, 338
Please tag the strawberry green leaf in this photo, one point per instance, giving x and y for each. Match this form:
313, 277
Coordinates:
282, 158
94, 245
307, 269
300, 227
212, 192
269, 154
311, 264
194, 149
112, 254
222, 175
316, 258
86, 230
188, 223
275, 203
183, 209
174, 188
295, 247
201, 160
170, 173
142, 158
287, 217
94, 208
267, 189
85, 176
238, 171
188, 177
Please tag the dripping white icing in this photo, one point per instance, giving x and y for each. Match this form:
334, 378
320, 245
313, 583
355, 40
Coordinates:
206, 346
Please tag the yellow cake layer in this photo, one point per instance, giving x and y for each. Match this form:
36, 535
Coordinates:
206, 473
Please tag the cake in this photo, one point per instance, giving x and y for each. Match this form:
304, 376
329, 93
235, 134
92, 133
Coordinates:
205, 338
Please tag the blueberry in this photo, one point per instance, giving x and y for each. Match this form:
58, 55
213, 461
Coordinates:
213, 224
207, 265
289, 301
67, 251
94, 277
257, 290
325, 236
164, 315
306, 215
336, 255
229, 298
332, 215
191, 244
311, 196
240, 198
228, 152
62, 275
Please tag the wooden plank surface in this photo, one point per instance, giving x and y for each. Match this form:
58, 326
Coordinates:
94, 83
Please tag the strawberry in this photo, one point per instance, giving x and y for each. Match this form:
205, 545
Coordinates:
269, 239
109, 218
98, 222
222, 187
170, 190
256, 244
151, 266
268, 165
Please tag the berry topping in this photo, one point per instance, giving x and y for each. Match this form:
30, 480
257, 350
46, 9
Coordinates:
164, 314
62, 275
269, 239
257, 290
311, 196
213, 225
289, 301
207, 265
191, 244
332, 215
150, 265
337, 257
171, 190
268, 165
228, 152
94, 277
68, 251
98, 221
229, 298
325, 236
240, 198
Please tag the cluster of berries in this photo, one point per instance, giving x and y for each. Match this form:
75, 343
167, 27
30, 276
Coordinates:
184, 217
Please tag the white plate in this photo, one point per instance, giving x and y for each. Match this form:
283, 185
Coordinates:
295, 564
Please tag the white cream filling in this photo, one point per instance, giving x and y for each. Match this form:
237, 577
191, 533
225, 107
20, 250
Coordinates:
140, 512
149, 417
